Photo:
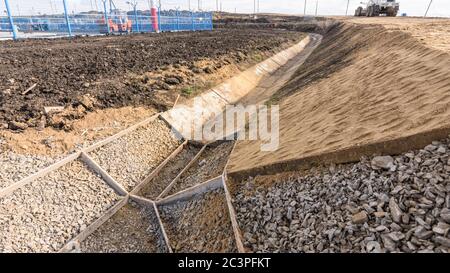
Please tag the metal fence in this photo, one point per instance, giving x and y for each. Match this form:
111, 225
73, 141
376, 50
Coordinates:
110, 20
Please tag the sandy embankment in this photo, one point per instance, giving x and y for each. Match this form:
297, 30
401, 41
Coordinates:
366, 89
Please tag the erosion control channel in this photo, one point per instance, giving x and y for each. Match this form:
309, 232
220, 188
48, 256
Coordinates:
144, 175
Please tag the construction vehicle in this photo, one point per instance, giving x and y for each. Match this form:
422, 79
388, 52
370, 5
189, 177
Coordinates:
378, 7
118, 22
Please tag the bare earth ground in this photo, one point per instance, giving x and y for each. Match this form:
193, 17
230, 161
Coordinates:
119, 93
93, 127
363, 85
137, 70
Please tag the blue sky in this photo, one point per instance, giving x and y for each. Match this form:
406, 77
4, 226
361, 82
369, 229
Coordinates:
325, 7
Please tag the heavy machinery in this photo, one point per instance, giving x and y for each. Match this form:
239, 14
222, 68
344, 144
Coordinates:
378, 7
118, 22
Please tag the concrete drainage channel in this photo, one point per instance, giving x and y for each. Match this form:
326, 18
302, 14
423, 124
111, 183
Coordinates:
141, 190
182, 221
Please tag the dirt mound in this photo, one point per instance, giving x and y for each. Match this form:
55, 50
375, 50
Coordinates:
93, 127
39, 73
271, 21
363, 89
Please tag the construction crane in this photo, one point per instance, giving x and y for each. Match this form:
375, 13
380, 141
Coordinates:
378, 7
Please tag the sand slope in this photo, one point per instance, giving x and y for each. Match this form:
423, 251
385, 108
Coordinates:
363, 85
432, 32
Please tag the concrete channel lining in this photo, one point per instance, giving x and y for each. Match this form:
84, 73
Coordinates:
236, 230
10, 189
175, 180
233, 218
156, 171
146, 202
229, 92
120, 134
218, 182
188, 193
206, 105
74, 243
185, 169
106, 177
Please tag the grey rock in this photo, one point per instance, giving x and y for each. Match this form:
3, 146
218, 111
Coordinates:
55, 220
396, 236
388, 243
289, 213
441, 228
381, 228
442, 241
373, 247
395, 210
172, 81
422, 233
445, 215
407, 202
430, 148
382, 162
360, 218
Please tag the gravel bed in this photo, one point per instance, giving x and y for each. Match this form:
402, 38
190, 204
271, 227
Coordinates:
133, 229
200, 225
132, 157
382, 204
44, 215
157, 185
15, 167
211, 164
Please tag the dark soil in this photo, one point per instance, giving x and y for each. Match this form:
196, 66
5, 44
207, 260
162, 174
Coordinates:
65, 70
270, 21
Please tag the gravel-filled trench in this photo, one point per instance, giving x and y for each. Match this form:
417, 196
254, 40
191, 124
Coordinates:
15, 167
200, 225
133, 229
381, 204
157, 185
45, 214
209, 165
129, 159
